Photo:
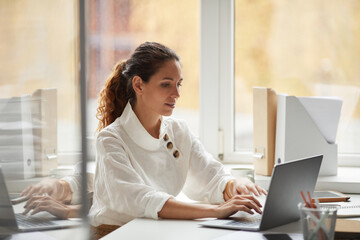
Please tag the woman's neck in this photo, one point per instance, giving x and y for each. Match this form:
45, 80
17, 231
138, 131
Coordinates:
150, 121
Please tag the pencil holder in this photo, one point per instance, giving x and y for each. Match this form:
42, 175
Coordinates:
317, 223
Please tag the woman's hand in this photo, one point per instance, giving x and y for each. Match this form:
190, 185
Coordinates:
46, 203
57, 189
242, 186
245, 203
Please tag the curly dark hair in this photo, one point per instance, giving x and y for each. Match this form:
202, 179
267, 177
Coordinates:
144, 62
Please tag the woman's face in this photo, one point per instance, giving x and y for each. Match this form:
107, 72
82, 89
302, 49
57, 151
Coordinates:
163, 89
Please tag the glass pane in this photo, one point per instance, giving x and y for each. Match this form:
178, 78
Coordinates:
39, 104
116, 28
302, 48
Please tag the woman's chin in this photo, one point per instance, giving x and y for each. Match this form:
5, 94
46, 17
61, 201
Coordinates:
167, 113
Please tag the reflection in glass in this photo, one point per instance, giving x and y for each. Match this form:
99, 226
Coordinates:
14, 222
17, 139
39, 108
7, 218
28, 134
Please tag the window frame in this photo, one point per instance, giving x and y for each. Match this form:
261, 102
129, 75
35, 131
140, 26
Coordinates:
217, 85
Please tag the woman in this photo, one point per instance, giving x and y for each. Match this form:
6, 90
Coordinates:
144, 159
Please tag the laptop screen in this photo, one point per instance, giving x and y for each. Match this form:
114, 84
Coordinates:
284, 191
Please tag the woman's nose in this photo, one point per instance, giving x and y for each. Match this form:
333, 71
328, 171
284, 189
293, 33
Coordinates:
176, 92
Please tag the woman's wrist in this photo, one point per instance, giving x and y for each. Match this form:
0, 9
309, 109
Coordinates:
66, 194
73, 211
213, 211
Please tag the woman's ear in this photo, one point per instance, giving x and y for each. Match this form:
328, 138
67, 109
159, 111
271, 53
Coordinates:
137, 83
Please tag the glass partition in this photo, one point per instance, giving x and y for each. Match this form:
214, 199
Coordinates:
40, 109
40, 130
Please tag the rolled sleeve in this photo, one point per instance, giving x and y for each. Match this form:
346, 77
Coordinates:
218, 196
75, 187
155, 204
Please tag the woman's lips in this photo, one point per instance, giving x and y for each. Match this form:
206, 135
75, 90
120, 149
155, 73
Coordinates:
172, 105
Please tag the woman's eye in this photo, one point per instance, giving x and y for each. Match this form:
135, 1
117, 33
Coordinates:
165, 84
179, 84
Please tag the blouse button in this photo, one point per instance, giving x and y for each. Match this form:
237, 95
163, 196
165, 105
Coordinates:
169, 145
176, 154
166, 137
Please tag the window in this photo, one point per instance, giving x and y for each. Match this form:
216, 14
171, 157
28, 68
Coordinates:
302, 49
116, 28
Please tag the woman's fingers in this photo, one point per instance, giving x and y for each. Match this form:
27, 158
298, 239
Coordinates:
243, 208
252, 198
29, 191
246, 200
244, 203
47, 185
25, 191
32, 203
254, 189
242, 189
247, 189
33, 199
38, 201
249, 204
261, 190
37, 209
29, 207
244, 186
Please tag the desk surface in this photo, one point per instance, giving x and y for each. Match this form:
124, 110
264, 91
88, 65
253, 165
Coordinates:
162, 229
141, 228
179, 229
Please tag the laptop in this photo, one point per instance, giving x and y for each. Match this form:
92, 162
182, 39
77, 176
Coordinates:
281, 204
11, 222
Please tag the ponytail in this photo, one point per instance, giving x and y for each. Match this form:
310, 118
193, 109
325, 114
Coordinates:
118, 90
113, 97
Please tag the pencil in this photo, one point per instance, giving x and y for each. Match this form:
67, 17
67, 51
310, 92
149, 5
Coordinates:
310, 201
303, 197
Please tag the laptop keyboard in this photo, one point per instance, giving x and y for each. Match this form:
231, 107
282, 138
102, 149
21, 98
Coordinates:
25, 221
252, 220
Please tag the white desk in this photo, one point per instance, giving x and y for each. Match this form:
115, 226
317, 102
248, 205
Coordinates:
178, 229
165, 229
140, 228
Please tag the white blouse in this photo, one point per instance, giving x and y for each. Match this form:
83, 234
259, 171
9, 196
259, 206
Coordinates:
136, 173
74, 182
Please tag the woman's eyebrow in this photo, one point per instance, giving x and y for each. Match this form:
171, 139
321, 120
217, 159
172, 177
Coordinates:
169, 78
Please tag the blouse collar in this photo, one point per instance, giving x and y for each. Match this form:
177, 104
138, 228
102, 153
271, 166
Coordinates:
137, 132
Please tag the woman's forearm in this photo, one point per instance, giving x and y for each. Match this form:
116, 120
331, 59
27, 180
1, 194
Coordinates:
180, 210
174, 209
